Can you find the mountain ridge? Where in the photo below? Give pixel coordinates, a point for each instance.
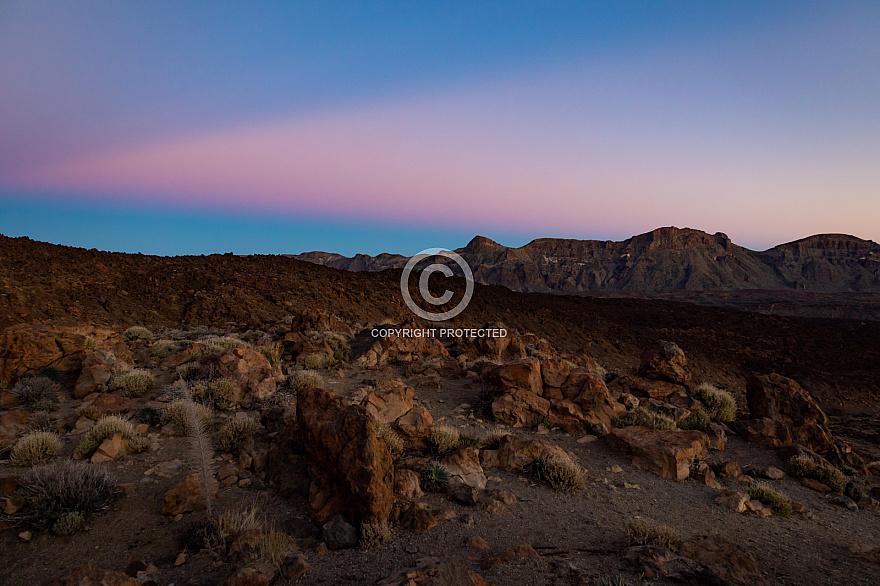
(662, 260)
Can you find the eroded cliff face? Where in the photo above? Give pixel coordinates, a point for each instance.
(665, 259)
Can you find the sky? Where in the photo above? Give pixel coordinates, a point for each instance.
(284, 127)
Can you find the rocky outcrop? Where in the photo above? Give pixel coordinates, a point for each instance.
(393, 403)
(515, 452)
(382, 351)
(248, 369)
(350, 465)
(463, 467)
(96, 369)
(783, 414)
(665, 361)
(28, 348)
(667, 453)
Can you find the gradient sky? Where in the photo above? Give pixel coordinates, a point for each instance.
(199, 127)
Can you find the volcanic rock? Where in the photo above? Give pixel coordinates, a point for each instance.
(667, 453)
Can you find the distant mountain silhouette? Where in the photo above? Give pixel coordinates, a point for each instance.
(665, 259)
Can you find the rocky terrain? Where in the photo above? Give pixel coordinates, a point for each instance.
(233, 420)
(833, 275)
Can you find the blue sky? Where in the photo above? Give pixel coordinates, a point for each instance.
(172, 128)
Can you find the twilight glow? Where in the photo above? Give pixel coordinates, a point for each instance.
(518, 122)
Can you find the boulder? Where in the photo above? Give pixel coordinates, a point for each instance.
(435, 572)
(350, 465)
(415, 426)
(514, 452)
(667, 453)
(520, 408)
(248, 369)
(387, 404)
(555, 372)
(665, 361)
(524, 374)
(402, 349)
(463, 466)
(95, 374)
(643, 387)
(110, 449)
(339, 534)
(736, 501)
(418, 518)
(28, 348)
(407, 484)
(782, 413)
(726, 561)
(522, 551)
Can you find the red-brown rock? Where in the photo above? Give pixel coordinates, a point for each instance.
(665, 361)
(463, 466)
(667, 453)
(187, 496)
(728, 562)
(350, 465)
(435, 572)
(514, 452)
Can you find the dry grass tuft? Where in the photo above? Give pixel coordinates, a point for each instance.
(139, 333)
(641, 532)
(396, 444)
(37, 447)
(132, 383)
(235, 433)
(217, 394)
(62, 487)
(177, 417)
(719, 403)
(163, 348)
(806, 467)
(696, 419)
(36, 393)
(563, 475)
(268, 545)
(104, 428)
(645, 418)
(304, 379)
(272, 352)
(779, 503)
(444, 438)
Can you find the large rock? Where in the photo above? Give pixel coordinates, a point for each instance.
(514, 452)
(95, 374)
(28, 348)
(522, 374)
(390, 402)
(642, 387)
(435, 572)
(520, 408)
(350, 465)
(188, 496)
(727, 562)
(463, 466)
(782, 414)
(667, 453)
(248, 369)
(665, 361)
(402, 349)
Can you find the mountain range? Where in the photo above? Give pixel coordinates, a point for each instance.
(665, 259)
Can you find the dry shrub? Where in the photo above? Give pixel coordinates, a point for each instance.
(139, 333)
(163, 348)
(493, 438)
(189, 371)
(218, 394)
(719, 403)
(68, 523)
(806, 467)
(36, 393)
(562, 474)
(444, 438)
(312, 362)
(41, 421)
(779, 503)
(132, 383)
(176, 416)
(269, 545)
(303, 379)
(696, 419)
(37, 447)
(641, 532)
(235, 433)
(396, 444)
(104, 428)
(645, 418)
(272, 352)
(54, 490)
(217, 344)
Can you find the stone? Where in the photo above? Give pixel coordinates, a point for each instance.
(515, 452)
(717, 436)
(106, 403)
(252, 576)
(407, 484)
(294, 566)
(434, 571)
(587, 439)
(90, 575)
(96, 369)
(504, 496)
(705, 475)
(463, 467)
(555, 372)
(8, 485)
(248, 369)
(520, 408)
(728, 469)
(415, 426)
(27, 348)
(667, 453)
(187, 496)
(464, 494)
(518, 551)
(846, 502)
(12, 505)
(733, 500)
(815, 485)
(418, 518)
(339, 534)
(477, 543)
(180, 559)
(497, 508)
(110, 449)
(350, 465)
(13, 424)
(773, 473)
(393, 400)
(524, 374)
(727, 562)
(664, 361)
(759, 508)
